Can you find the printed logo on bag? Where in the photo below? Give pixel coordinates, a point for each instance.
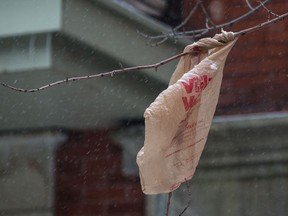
(194, 86)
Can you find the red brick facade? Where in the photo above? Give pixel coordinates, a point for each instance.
(89, 179)
(256, 72)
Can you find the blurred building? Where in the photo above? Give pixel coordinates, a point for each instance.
(58, 155)
(70, 150)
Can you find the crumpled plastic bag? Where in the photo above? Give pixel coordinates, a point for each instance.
(177, 123)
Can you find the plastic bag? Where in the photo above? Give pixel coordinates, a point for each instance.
(178, 121)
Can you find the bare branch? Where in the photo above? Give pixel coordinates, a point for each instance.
(105, 74)
(268, 10)
(159, 42)
(196, 33)
(165, 37)
(189, 198)
(168, 203)
(208, 18)
(155, 66)
(192, 11)
(261, 25)
(249, 5)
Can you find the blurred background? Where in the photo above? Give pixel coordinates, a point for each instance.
(71, 149)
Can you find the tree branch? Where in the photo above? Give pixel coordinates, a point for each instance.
(192, 11)
(262, 25)
(189, 198)
(151, 66)
(168, 203)
(249, 5)
(200, 32)
(105, 74)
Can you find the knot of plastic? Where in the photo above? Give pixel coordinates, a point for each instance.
(218, 40)
(224, 37)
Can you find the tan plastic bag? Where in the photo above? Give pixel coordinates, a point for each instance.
(178, 121)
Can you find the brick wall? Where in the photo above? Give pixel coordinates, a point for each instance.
(256, 72)
(89, 179)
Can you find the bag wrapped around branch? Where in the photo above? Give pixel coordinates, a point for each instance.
(178, 121)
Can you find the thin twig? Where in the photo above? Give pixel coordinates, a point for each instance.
(208, 18)
(249, 5)
(268, 10)
(184, 22)
(105, 74)
(173, 30)
(168, 203)
(186, 34)
(189, 198)
(261, 25)
(158, 42)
